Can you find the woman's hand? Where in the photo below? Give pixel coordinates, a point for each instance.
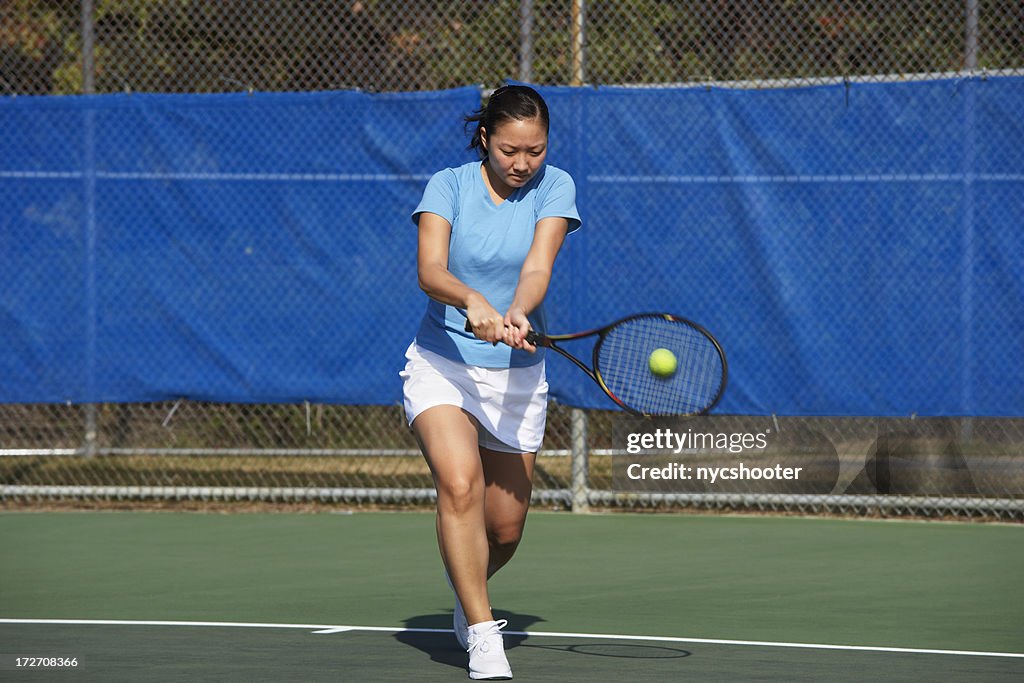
(516, 329)
(487, 323)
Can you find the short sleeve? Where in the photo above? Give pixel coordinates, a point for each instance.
(440, 196)
(560, 200)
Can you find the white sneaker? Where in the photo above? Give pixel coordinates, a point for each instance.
(459, 623)
(487, 661)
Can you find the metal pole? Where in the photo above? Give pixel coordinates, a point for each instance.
(88, 49)
(89, 88)
(89, 226)
(89, 447)
(526, 41)
(580, 461)
(579, 22)
(971, 36)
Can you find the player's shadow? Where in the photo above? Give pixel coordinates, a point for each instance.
(618, 650)
(442, 647)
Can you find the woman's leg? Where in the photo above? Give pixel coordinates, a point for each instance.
(509, 482)
(448, 438)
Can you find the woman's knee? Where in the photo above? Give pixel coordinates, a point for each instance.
(459, 494)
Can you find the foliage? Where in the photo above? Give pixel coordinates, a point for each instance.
(218, 45)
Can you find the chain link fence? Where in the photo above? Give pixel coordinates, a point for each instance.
(365, 454)
(333, 454)
(63, 47)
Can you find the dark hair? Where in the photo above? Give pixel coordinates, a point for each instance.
(507, 103)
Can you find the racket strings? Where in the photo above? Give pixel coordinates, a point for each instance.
(623, 363)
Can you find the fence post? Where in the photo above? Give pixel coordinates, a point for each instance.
(88, 49)
(580, 461)
(89, 446)
(578, 29)
(971, 36)
(526, 40)
(89, 88)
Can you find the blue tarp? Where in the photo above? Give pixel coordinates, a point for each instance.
(857, 248)
(217, 247)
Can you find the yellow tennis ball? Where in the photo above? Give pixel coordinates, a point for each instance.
(662, 362)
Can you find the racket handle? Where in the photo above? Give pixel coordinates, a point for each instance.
(469, 328)
(533, 337)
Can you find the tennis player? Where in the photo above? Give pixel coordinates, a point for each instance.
(489, 232)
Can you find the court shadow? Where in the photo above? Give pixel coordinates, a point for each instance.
(618, 650)
(442, 648)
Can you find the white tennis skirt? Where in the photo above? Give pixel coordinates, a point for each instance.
(509, 403)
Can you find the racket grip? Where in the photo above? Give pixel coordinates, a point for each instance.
(469, 328)
(532, 336)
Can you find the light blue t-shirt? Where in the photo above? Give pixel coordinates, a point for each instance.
(489, 243)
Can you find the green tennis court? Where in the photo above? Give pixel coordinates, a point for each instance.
(169, 596)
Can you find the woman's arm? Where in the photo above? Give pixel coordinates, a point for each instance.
(439, 284)
(534, 278)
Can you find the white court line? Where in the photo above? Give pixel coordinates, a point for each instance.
(327, 629)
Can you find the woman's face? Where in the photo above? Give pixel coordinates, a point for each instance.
(516, 150)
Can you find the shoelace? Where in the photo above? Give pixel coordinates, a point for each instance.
(481, 641)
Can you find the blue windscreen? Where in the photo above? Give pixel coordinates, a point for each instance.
(856, 248)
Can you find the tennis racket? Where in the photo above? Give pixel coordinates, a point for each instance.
(621, 363)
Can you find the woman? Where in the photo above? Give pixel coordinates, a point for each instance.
(489, 232)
